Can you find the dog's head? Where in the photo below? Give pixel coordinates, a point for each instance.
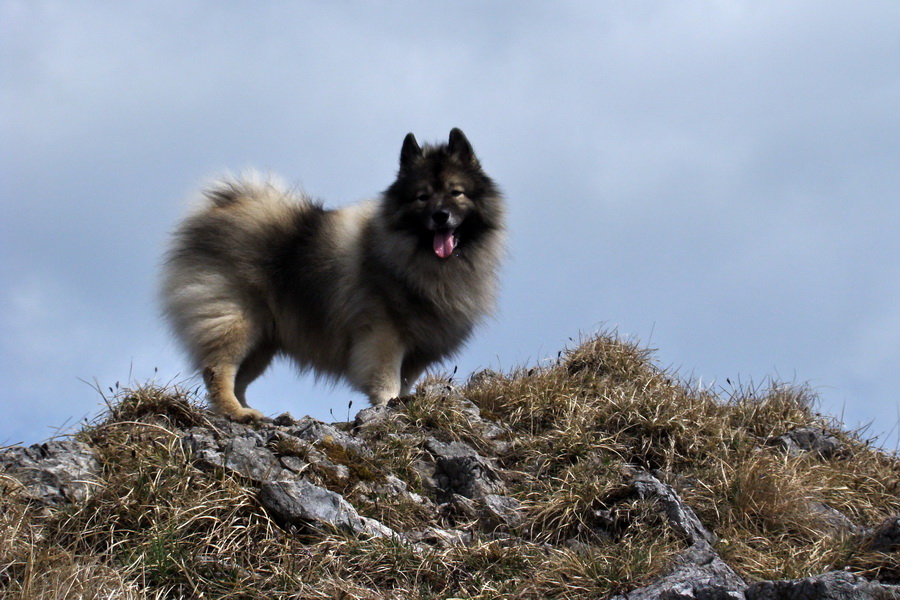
(443, 196)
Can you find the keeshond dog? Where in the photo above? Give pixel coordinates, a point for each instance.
(372, 293)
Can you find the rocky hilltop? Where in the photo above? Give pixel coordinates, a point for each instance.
(597, 476)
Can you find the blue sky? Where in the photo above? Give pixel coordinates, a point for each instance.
(718, 180)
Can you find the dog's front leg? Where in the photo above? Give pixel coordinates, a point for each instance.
(375, 361)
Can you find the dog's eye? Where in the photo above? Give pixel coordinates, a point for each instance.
(422, 197)
(456, 193)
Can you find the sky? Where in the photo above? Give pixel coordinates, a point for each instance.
(717, 180)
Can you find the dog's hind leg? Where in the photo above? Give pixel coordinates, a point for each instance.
(375, 361)
(410, 373)
(252, 367)
(230, 343)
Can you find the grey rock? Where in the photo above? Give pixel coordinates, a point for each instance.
(326, 466)
(468, 485)
(249, 458)
(293, 464)
(52, 473)
(459, 469)
(440, 538)
(834, 520)
(469, 408)
(284, 420)
(301, 503)
(698, 573)
(680, 515)
(454, 395)
(440, 449)
(372, 416)
(482, 377)
(244, 454)
(315, 431)
(439, 388)
(499, 512)
(835, 585)
(392, 490)
(808, 439)
(197, 440)
(886, 537)
(459, 509)
(391, 487)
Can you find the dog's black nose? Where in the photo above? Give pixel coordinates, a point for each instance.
(440, 217)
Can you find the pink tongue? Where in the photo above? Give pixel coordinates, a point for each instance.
(444, 243)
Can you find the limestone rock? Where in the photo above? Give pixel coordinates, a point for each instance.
(301, 503)
(52, 473)
(680, 515)
(886, 537)
(698, 573)
(835, 585)
(808, 439)
(245, 454)
(459, 469)
(315, 431)
(497, 512)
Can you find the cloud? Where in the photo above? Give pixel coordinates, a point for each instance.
(721, 174)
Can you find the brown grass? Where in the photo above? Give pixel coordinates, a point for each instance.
(158, 527)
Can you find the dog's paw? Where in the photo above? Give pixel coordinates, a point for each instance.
(246, 415)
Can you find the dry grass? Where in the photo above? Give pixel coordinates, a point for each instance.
(158, 527)
(604, 405)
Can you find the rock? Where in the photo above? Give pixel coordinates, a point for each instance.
(449, 450)
(369, 417)
(835, 585)
(496, 512)
(52, 473)
(680, 515)
(808, 439)
(483, 377)
(440, 538)
(391, 487)
(833, 520)
(245, 454)
(443, 389)
(459, 510)
(301, 503)
(469, 408)
(454, 396)
(248, 457)
(698, 573)
(491, 514)
(886, 537)
(459, 469)
(467, 501)
(202, 446)
(317, 432)
(284, 420)
(293, 464)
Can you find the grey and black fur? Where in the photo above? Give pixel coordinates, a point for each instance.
(373, 293)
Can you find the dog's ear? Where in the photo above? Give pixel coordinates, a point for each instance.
(460, 146)
(410, 152)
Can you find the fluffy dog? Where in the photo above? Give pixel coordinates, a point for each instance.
(373, 293)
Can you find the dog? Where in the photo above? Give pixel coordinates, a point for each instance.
(371, 294)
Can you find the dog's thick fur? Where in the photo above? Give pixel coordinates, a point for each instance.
(372, 293)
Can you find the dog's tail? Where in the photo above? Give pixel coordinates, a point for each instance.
(248, 186)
